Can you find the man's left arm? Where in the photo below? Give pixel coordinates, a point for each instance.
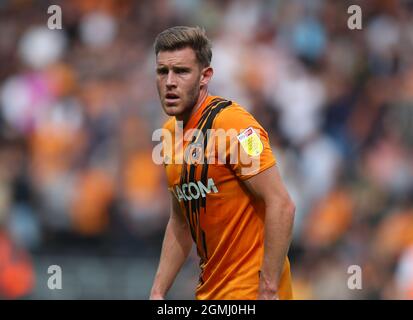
(268, 187)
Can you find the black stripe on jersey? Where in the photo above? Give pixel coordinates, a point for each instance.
(208, 124)
(184, 175)
(194, 206)
(211, 104)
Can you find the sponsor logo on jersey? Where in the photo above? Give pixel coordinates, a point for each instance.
(250, 142)
(194, 190)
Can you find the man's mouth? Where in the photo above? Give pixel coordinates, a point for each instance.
(171, 98)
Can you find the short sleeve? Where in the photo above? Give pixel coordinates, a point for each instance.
(247, 148)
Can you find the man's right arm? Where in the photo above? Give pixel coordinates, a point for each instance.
(176, 246)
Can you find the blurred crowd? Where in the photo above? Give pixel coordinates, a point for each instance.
(78, 107)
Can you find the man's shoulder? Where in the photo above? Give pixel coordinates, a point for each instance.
(234, 116)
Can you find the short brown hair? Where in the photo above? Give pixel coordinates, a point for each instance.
(180, 37)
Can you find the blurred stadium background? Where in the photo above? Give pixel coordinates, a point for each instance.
(78, 187)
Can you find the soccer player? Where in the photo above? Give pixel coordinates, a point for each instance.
(239, 218)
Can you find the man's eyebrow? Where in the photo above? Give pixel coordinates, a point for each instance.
(176, 64)
(174, 67)
(181, 67)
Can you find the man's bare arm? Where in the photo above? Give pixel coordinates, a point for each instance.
(268, 187)
(176, 246)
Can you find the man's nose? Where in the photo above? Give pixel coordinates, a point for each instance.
(171, 79)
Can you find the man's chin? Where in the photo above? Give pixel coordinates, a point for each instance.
(172, 110)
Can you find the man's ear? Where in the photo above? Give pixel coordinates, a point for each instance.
(206, 75)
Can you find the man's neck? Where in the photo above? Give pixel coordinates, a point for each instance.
(201, 99)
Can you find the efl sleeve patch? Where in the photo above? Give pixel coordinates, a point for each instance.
(250, 142)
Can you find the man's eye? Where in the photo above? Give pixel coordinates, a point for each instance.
(162, 71)
(182, 71)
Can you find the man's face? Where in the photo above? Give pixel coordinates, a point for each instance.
(178, 81)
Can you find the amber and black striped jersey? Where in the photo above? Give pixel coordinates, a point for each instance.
(226, 223)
